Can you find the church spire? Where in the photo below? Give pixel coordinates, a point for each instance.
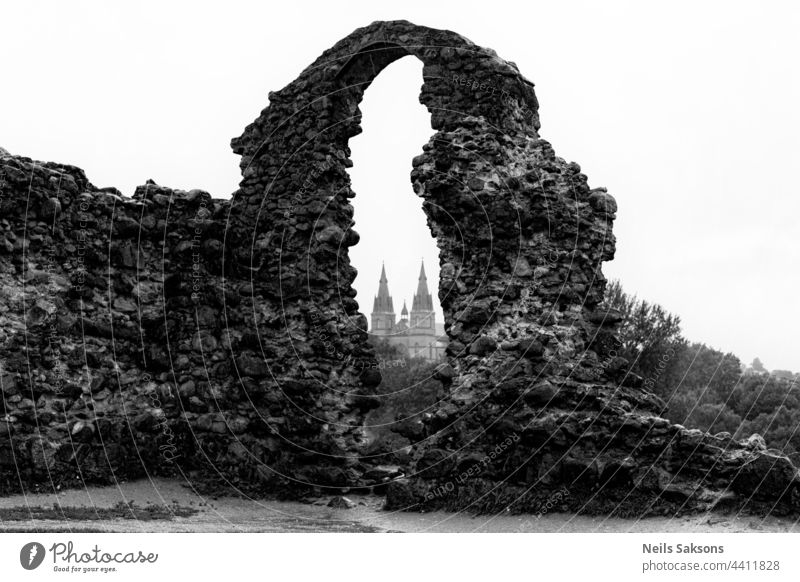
(383, 301)
(423, 301)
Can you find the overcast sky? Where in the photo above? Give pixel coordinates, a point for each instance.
(687, 113)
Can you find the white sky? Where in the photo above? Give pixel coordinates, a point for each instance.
(686, 112)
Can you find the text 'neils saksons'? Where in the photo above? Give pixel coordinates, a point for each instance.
(663, 548)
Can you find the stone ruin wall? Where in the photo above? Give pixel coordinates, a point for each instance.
(176, 333)
(116, 361)
(126, 350)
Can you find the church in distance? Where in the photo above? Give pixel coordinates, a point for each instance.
(417, 336)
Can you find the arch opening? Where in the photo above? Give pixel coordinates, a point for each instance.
(397, 256)
(395, 240)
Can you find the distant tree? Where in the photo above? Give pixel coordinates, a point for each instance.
(705, 370)
(756, 395)
(650, 335)
(757, 366)
(385, 350)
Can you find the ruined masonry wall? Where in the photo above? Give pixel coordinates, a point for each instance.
(172, 332)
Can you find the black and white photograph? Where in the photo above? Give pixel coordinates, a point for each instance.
(513, 284)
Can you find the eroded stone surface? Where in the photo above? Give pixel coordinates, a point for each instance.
(175, 331)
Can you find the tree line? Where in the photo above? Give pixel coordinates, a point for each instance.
(702, 387)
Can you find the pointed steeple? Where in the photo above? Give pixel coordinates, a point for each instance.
(404, 312)
(423, 301)
(383, 301)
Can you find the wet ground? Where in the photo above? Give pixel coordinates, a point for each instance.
(161, 505)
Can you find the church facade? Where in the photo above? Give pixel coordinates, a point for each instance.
(416, 334)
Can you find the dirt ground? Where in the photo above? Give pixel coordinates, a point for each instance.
(161, 505)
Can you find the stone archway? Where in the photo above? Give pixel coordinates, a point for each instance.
(536, 400)
(293, 219)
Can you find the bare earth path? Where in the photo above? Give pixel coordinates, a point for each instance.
(161, 505)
